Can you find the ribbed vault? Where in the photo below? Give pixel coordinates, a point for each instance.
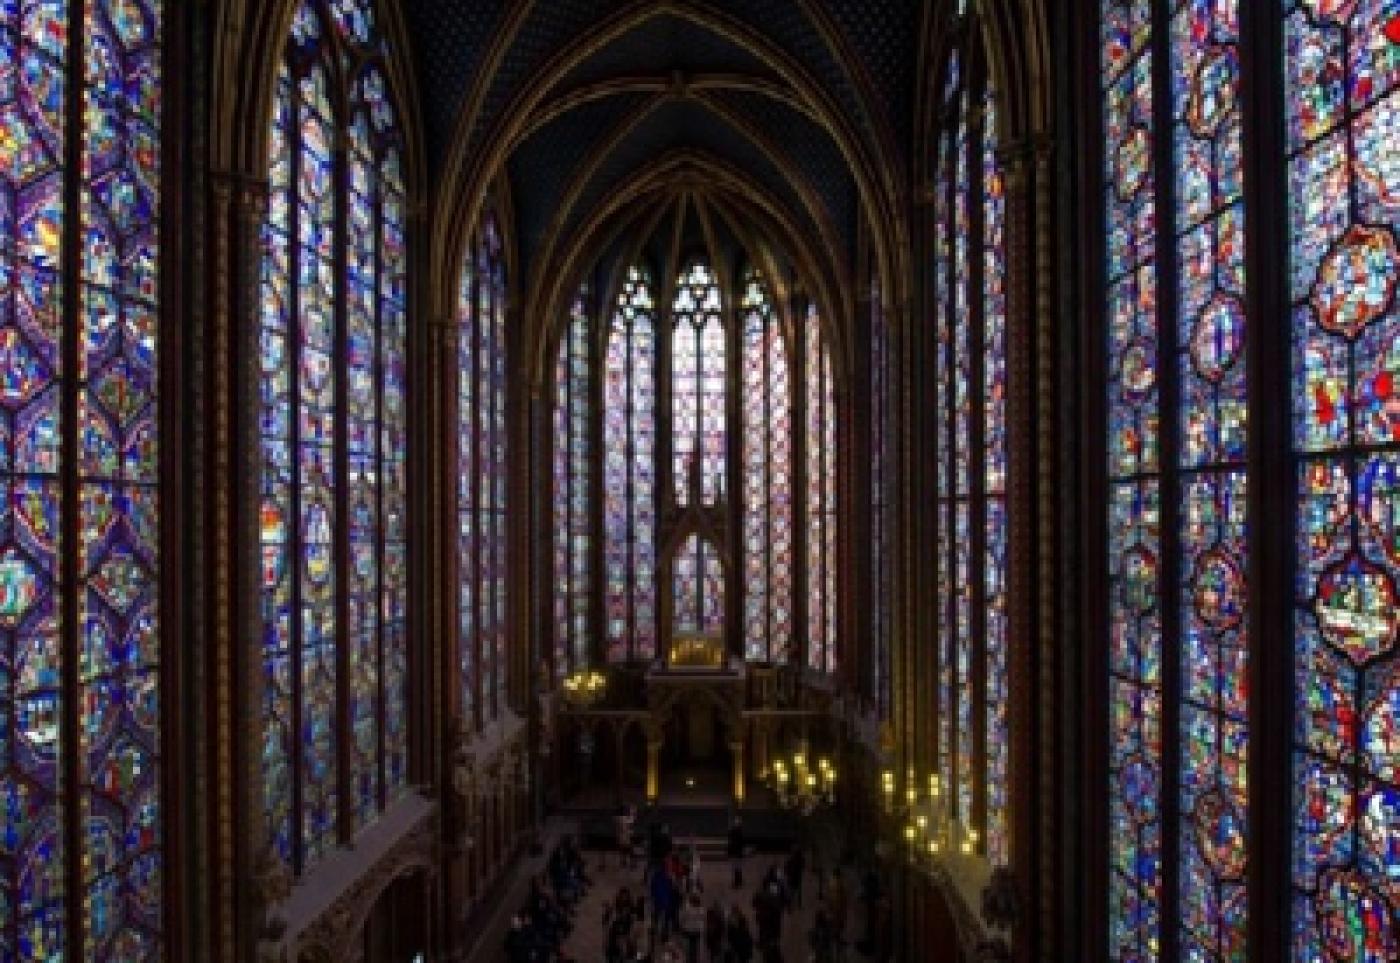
(793, 116)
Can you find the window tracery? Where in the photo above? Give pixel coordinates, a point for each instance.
(333, 434)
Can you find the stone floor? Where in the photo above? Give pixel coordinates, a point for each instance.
(586, 943)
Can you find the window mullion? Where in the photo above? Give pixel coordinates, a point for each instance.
(1168, 574)
(72, 577)
(380, 542)
(1272, 483)
(340, 352)
(977, 675)
(294, 552)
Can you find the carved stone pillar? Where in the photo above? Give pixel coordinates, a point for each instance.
(1020, 588)
(1047, 724)
(653, 765)
(619, 767)
(736, 747)
(654, 738)
(760, 748)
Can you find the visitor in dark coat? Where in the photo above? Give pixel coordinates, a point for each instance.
(714, 932)
(736, 851)
(768, 912)
(663, 895)
(796, 866)
(739, 936)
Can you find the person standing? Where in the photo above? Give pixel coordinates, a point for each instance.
(823, 948)
(869, 893)
(796, 866)
(740, 936)
(884, 925)
(714, 932)
(624, 835)
(736, 851)
(836, 911)
(663, 891)
(692, 927)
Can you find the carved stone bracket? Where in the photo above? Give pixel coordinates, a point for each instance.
(492, 762)
(984, 937)
(272, 884)
(972, 933)
(322, 921)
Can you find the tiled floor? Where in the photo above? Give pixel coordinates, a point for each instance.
(586, 943)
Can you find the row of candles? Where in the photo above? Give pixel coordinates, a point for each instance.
(799, 782)
(584, 688)
(929, 830)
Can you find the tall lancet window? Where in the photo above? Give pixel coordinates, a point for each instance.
(969, 394)
(819, 444)
(573, 489)
(333, 345)
(1194, 382)
(699, 588)
(629, 472)
(881, 500)
(768, 488)
(80, 533)
(1342, 127)
(481, 477)
(698, 387)
(1177, 435)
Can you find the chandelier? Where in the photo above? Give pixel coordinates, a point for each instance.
(584, 689)
(929, 832)
(802, 784)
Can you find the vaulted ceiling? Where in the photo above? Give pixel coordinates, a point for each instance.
(806, 105)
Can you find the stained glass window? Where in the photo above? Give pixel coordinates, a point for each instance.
(768, 490)
(481, 477)
(992, 370)
(333, 350)
(1342, 71)
(573, 490)
(629, 472)
(969, 395)
(881, 504)
(698, 387)
(1134, 503)
(698, 581)
(1176, 477)
(97, 644)
(819, 443)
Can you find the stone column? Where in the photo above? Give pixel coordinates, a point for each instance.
(736, 747)
(653, 765)
(760, 748)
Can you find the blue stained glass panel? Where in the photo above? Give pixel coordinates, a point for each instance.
(767, 450)
(1342, 82)
(629, 473)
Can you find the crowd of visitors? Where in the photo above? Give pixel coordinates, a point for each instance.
(668, 918)
(538, 930)
(675, 921)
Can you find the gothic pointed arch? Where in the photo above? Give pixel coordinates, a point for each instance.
(332, 438)
(966, 343)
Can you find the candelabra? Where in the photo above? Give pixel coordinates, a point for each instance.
(584, 689)
(930, 832)
(800, 784)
